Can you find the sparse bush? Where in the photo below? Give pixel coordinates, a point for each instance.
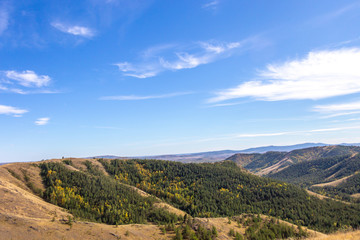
(14, 174)
(68, 162)
(238, 236)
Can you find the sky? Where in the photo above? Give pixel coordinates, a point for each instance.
(146, 77)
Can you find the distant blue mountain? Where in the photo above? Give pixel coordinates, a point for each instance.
(283, 148)
(215, 156)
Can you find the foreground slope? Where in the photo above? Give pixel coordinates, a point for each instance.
(26, 216)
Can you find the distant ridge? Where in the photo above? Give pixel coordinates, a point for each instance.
(215, 156)
(272, 161)
(283, 148)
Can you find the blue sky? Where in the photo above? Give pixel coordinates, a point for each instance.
(136, 77)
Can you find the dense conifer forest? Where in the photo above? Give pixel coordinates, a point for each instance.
(223, 189)
(95, 197)
(323, 170)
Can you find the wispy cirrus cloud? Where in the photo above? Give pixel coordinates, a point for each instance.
(336, 110)
(272, 134)
(12, 111)
(334, 14)
(4, 18)
(172, 57)
(238, 136)
(134, 97)
(320, 74)
(351, 106)
(42, 121)
(74, 29)
(211, 5)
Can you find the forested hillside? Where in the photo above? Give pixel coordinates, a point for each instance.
(272, 162)
(332, 176)
(222, 189)
(98, 198)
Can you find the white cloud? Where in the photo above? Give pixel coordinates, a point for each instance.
(337, 107)
(28, 78)
(174, 57)
(4, 19)
(273, 134)
(42, 121)
(321, 74)
(185, 60)
(211, 5)
(129, 70)
(337, 110)
(339, 114)
(334, 14)
(8, 110)
(133, 97)
(74, 30)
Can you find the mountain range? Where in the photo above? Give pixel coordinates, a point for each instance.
(215, 156)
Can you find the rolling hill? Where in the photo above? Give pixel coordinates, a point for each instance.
(336, 177)
(332, 171)
(81, 195)
(272, 162)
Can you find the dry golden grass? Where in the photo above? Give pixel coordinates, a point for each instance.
(355, 235)
(324, 197)
(333, 183)
(275, 168)
(356, 195)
